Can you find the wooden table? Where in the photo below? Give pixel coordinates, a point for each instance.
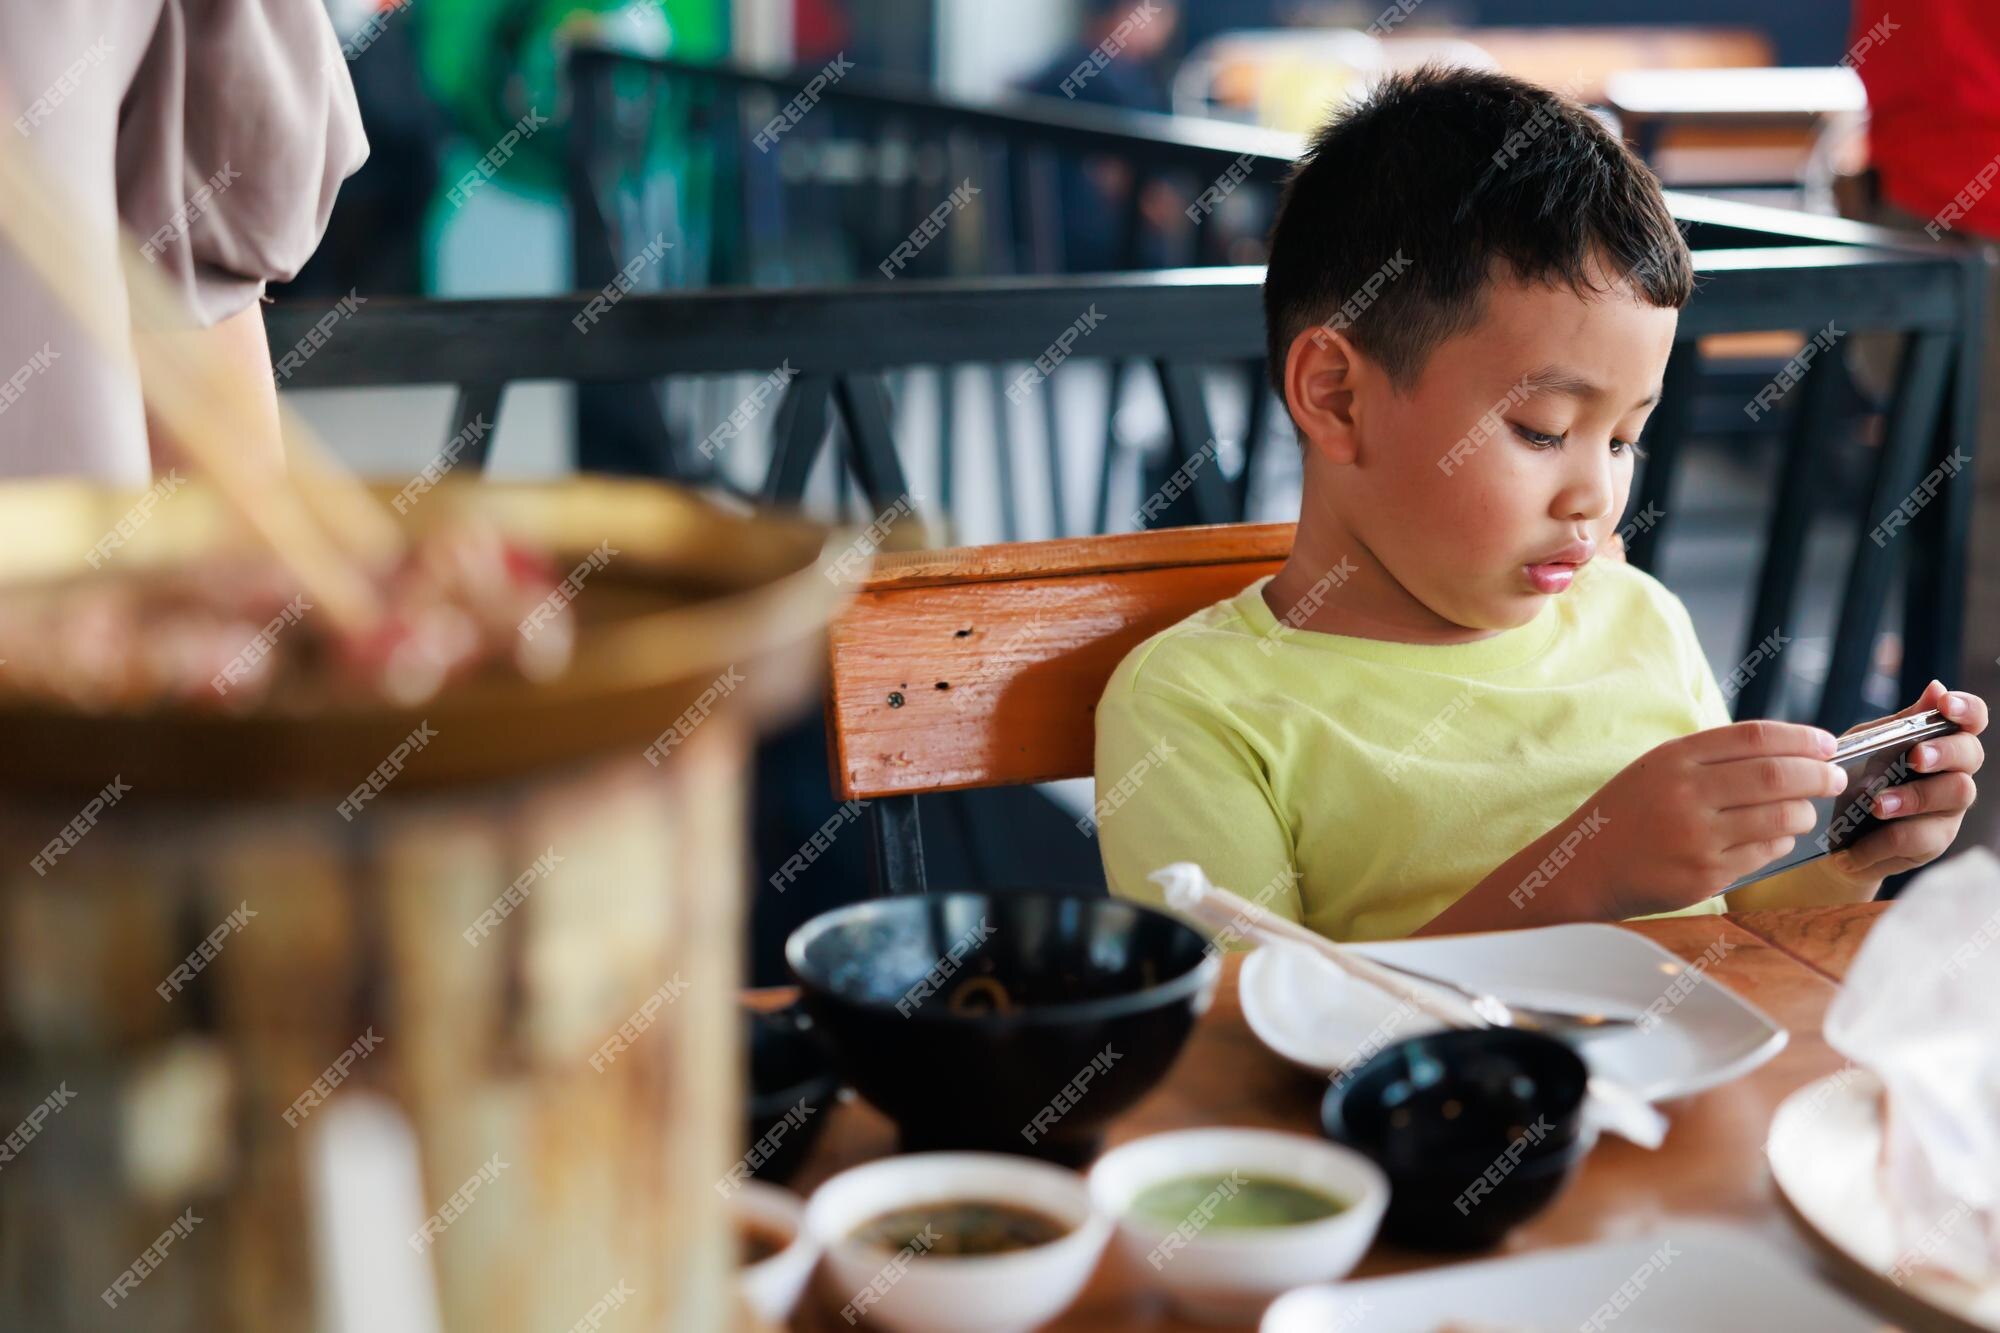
(1731, 125)
(1787, 963)
(1824, 939)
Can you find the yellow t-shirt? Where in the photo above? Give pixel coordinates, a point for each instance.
(1363, 787)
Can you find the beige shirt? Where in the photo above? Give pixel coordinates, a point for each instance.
(215, 131)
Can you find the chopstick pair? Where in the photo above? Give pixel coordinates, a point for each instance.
(1612, 1104)
(318, 520)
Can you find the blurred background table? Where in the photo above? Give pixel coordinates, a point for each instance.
(1731, 125)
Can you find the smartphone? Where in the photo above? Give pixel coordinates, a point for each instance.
(1875, 760)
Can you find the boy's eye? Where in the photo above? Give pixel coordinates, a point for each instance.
(1541, 439)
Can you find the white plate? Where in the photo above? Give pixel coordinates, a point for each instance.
(1825, 1149)
(1713, 1278)
(1316, 1016)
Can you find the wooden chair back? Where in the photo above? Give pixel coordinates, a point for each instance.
(981, 666)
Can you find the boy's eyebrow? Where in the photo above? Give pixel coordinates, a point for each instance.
(1559, 379)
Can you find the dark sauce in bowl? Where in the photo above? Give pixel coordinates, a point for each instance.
(758, 1240)
(961, 1227)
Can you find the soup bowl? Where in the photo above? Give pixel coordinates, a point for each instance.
(1213, 1270)
(1016, 1022)
(1477, 1129)
(910, 1291)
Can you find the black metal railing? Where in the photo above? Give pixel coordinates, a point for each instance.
(620, 104)
(620, 101)
(845, 348)
(1013, 142)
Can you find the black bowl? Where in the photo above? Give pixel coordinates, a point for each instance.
(792, 1086)
(1013, 1022)
(1477, 1131)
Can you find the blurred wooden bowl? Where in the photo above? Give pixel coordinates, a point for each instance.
(694, 590)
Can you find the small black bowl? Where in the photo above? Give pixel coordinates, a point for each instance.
(1013, 1022)
(1477, 1130)
(792, 1086)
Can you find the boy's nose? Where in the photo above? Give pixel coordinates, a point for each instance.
(1589, 490)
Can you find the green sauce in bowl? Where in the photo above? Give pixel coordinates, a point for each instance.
(1232, 1199)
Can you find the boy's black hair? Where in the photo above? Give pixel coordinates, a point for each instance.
(1392, 222)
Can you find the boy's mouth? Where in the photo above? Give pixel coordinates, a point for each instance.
(1553, 572)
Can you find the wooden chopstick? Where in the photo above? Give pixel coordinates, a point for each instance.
(348, 511)
(202, 403)
(1230, 911)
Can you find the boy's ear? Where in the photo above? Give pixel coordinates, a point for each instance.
(1319, 389)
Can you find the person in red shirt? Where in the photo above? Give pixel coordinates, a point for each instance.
(1932, 71)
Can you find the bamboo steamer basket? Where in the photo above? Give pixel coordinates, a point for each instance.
(465, 1060)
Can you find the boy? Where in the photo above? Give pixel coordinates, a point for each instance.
(1454, 707)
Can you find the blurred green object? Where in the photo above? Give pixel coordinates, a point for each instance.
(488, 62)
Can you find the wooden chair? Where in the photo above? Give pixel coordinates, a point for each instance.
(982, 666)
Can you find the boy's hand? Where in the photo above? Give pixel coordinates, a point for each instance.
(1690, 817)
(1922, 815)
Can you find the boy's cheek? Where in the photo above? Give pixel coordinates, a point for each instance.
(1482, 515)
(1428, 525)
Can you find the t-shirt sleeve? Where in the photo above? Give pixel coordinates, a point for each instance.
(1175, 782)
(235, 133)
